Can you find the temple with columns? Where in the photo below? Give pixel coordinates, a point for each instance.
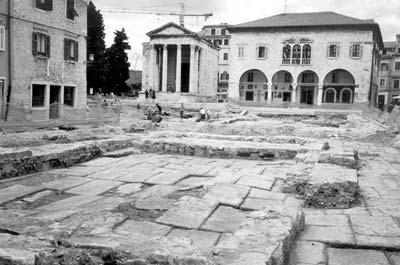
(177, 60)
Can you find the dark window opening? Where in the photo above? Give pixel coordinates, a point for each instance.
(71, 12)
(69, 95)
(40, 44)
(71, 50)
(249, 96)
(46, 5)
(38, 92)
(250, 77)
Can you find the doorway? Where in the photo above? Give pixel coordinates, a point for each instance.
(287, 96)
(381, 101)
(185, 77)
(55, 101)
(307, 95)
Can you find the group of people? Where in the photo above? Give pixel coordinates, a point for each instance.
(204, 114)
(150, 93)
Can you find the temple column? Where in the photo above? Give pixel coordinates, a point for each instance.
(165, 68)
(192, 84)
(152, 67)
(178, 69)
(320, 92)
(269, 93)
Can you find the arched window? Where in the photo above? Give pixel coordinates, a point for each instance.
(346, 95)
(296, 54)
(306, 54)
(225, 76)
(286, 54)
(330, 95)
(226, 42)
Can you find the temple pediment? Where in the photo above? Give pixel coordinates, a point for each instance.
(170, 29)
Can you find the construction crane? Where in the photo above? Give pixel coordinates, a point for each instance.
(181, 14)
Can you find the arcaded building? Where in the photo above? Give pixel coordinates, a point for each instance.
(310, 58)
(177, 60)
(46, 69)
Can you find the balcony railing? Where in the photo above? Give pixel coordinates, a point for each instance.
(305, 61)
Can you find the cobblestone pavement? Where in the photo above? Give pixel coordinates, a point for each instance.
(181, 209)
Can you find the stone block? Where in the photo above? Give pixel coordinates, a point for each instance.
(101, 162)
(198, 239)
(189, 213)
(266, 195)
(38, 196)
(167, 178)
(328, 234)
(153, 203)
(356, 257)
(64, 183)
(323, 219)
(16, 191)
(327, 173)
(143, 229)
(375, 225)
(225, 219)
(129, 188)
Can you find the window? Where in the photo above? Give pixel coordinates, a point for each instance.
(212, 31)
(261, 52)
(288, 78)
(306, 54)
(397, 66)
(41, 44)
(355, 51)
(241, 52)
(307, 78)
(223, 32)
(38, 92)
(226, 42)
(225, 56)
(46, 5)
(333, 51)
(71, 12)
(2, 38)
(334, 78)
(286, 54)
(384, 67)
(396, 83)
(296, 54)
(69, 92)
(71, 48)
(330, 96)
(382, 83)
(250, 77)
(249, 96)
(225, 76)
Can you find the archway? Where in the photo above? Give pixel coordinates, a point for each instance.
(282, 86)
(330, 95)
(252, 84)
(308, 83)
(343, 82)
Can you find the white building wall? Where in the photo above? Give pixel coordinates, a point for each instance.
(320, 63)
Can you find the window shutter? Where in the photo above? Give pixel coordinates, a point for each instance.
(338, 51)
(76, 51)
(47, 45)
(350, 51)
(34, 43)
(49, 5)
(66, 49)
(257, 51)
(327, 51)
(266, 52)
(361, 50)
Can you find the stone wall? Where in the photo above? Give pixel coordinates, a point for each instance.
(29, 69)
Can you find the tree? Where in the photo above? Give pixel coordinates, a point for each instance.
(95, 46)
(117, 65)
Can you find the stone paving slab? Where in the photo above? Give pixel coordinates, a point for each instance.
(138, 174)
(167, 178)
(266, 195)
(324, 219)
(198, 239)
(229, 194)
(257, 181)
(219, 222)
(328, 234)
(111, 173)
(143, 229)
(16, 191)
(129, 188)
(95, 187)
(375, 225)
(154, 203)
(79, 170)
(356, 257)
(305, 252)
(101, 162)
(64, 183)
(189, 213)
(328, 173)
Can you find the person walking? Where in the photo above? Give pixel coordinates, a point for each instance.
(146, 95)
(153, 95)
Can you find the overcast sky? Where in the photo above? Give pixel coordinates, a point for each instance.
(385, 12)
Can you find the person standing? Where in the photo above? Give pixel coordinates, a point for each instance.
(146, 95)
(153, 95)
(181, 111)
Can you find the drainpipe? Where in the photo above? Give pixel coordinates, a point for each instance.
(9, 61)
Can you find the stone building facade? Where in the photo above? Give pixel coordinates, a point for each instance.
(311, 58)
(220, 36)
(178, 60)
(389, 73)
(48, 60)
(4, 56)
